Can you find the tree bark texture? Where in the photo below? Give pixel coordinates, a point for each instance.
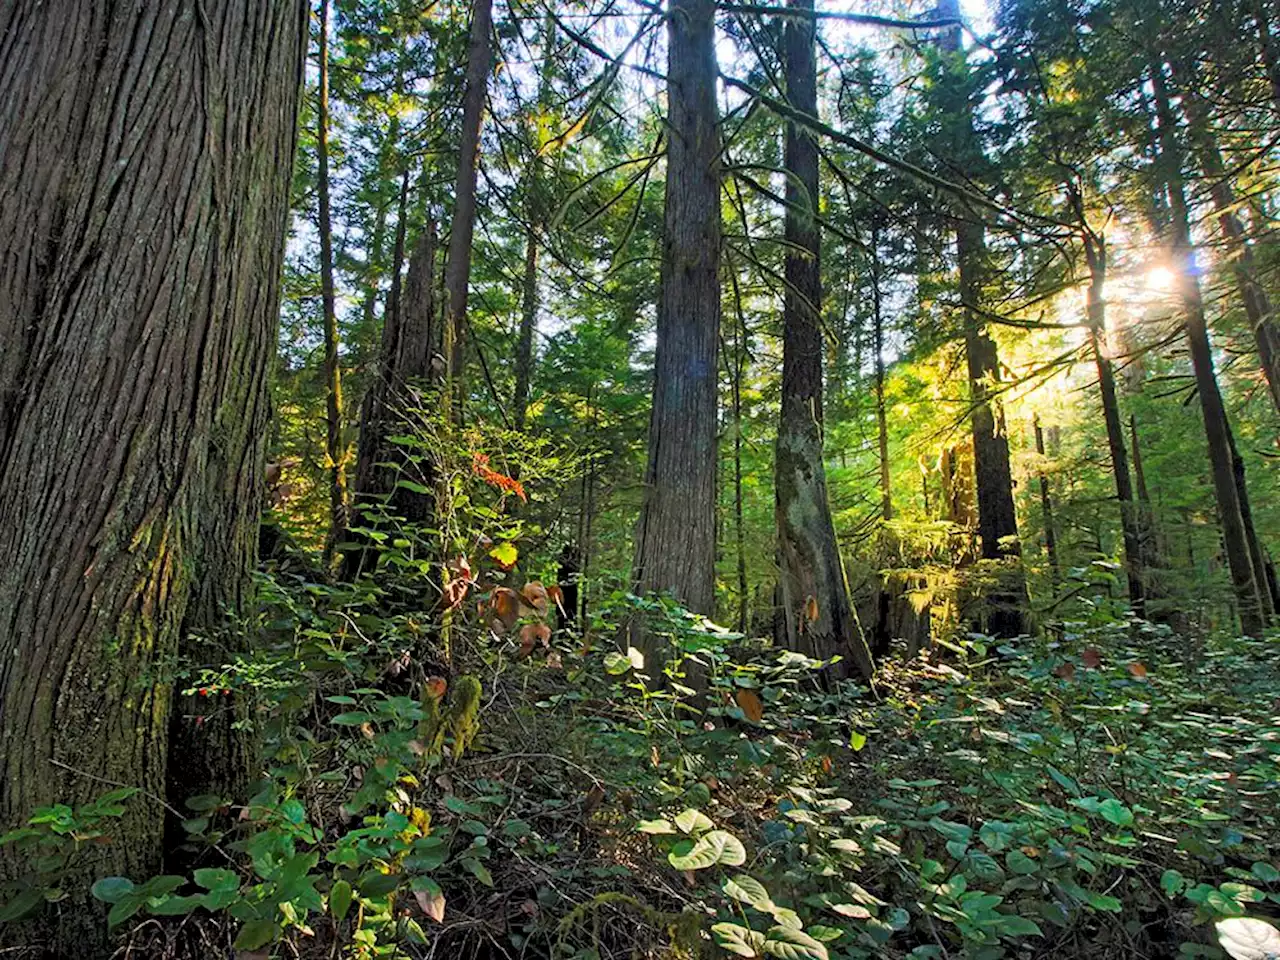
(997, 518)
(334, 449)
(145, 158)
(457, 278)
(676, 535)
(1244, 578)
(818, 617)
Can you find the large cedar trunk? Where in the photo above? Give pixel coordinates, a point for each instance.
(144, 174)
(457, 277)
(676, 534)
(817, 615)
(1235, 533)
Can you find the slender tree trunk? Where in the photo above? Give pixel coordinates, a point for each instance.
(882, 418)
(739, 524)
(818, 616)
(1268, 47)
(528, 320)
(334, 450)
(1046, 509)
(1130, 523)
(144, 184)
(1257, 306)
(457, 280)
(1217, 431)
(375, 262)
(997, 517)
(675, 537)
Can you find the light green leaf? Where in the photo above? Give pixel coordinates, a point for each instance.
(1113, 811)
(655, 827)
(747, 890)
(1247, 938)
(693, 821)
(738, 939)
(716, 847)
(788, 944)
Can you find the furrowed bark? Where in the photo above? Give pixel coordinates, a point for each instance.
(143, 199)
(675, 537)
(818, 617)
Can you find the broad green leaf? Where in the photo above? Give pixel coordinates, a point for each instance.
(23, 905)
(255, 934)
(716, 847)
(747, 890)
(857, 740)
(738, 939)
(1012, 925)
(112, 889)
(1247, 938)
(693, 821)
(340, 900)
(788, 944)
(213, 878)
(1113, 811)
(1019, 862)
(655, 827)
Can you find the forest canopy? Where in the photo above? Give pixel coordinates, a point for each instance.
(614, 479)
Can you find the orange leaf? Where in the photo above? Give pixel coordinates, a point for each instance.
(1067, 671)
(1138, 670)
(751, 704)
(504, 603)
(1092, 658)
(534, 595)
(826, 764)
(556, 595)
(435, 687)
(531, 634)
(811, 608)
(432, 904)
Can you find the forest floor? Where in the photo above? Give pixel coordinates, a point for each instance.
(1108, 791)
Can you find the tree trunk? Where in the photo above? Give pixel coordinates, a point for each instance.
(1257, 306)
(1046, 510)
(997, 519)
(817, 614)
(409, 365)
(1130, 526)
(675, 536)
(528, 320)
(1217, 431)
(1268, 47)
(882, 418)
(457, 280)
(334, 452)
(144, 187)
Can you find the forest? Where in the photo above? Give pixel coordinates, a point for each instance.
(621, 479)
